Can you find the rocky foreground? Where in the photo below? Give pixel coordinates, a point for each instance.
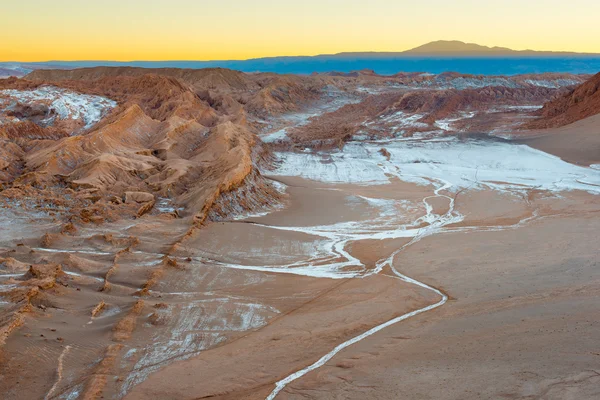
(122, 254)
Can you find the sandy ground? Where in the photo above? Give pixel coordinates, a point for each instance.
(445, 268)
(508, 330)
(225, 320)
(521, 323)
(155, 313)
(577, 143)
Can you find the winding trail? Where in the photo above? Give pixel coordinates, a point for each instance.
(280, 385)
(334, 261)
(435, 223)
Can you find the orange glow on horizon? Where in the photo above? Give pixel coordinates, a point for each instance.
(155, 30)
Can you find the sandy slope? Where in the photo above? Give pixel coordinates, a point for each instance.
(577, 143)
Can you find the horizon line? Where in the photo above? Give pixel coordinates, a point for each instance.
(433, 55)
(408, 53)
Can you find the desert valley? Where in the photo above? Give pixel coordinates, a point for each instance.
(208, 233)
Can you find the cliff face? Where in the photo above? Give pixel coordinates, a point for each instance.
(579, 103)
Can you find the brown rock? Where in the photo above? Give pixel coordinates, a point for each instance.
(580, 103)
(138, 197)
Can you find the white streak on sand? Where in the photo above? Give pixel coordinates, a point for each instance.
(380, 265)
(67, 104)
(284, 382)
(197, 326)
(98, 253)
(280, 385)
(59, 372)
(498, 165)
(505, 171)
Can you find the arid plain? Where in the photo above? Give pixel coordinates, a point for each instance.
(207, 233)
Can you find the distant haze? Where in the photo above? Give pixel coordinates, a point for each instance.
(435, 57)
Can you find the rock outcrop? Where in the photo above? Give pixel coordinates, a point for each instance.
(175, 134)
(579, 103)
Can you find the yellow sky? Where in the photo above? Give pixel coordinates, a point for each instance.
(124, 30)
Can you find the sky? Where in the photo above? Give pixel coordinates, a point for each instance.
(126, 30)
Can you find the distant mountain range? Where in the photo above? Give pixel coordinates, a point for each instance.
(434, 57)
(456, 48)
